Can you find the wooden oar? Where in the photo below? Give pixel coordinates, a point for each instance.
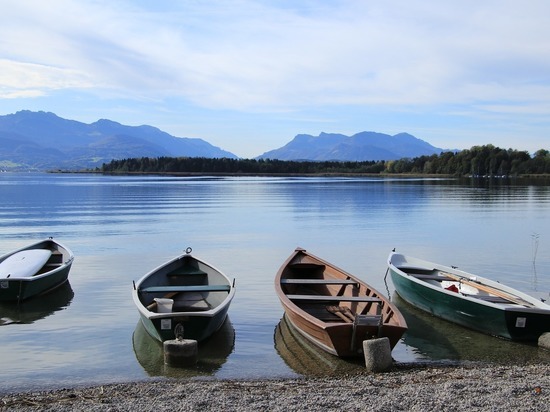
(336, 310)
(489, 289)
(347, 311)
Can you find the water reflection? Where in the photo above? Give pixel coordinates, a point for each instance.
(37, 308)
(212, 353)
(306, 359)
(435, 339)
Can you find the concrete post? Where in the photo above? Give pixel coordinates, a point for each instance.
(377, 354)
(180, 352)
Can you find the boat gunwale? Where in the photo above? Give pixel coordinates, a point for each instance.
(203, 313)
(539, 306)
(288, 303)
(43, 245)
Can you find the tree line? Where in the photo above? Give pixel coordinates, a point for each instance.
(485, 160)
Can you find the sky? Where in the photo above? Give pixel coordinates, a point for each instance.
(249, 75)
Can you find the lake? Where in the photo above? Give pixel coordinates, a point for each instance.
(120, 227)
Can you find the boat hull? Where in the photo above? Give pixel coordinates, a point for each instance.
(54, 274)
(515, 323)
(340, 340)
(199, 297)
(195, 326)
(310, 289)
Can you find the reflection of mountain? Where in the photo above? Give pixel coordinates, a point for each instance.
(436, 339)
(306, 359)
(213, 353)
(31, 310)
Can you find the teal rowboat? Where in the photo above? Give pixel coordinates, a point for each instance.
(469, 300)
(185, 297)
(34, 270)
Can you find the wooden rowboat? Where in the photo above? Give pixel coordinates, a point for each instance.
(332, 308)
(34, 269)
(469, 300)
(185, 297)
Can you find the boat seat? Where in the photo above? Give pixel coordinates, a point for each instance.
(187, 271)
(334, 298)
(306, 265)
(414, 269)
(429, 277)
(489, 298)
(193, 301)
(368, 320)
(190, 288)
(319, 282)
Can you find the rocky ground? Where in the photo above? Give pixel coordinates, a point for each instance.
(404, 388)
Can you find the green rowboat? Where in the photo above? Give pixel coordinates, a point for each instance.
(34, 270)
(469, 300)
(183, 298)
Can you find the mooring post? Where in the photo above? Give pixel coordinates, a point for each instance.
(180, 352)
(377, 354)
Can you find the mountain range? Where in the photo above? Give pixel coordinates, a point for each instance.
(41, 141)
(44, 141)
(359, 147)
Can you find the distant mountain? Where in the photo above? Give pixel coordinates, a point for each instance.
(359, 147)
(41, 141)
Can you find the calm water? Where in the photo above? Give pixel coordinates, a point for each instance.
(121, 227)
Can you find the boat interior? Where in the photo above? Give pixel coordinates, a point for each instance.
(185, 288)
(464, 286)
(332, 296)
(55, 261)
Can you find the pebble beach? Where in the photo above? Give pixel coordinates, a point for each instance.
(409, 387)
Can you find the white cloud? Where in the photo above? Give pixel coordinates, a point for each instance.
(31, 80)
(252, 55)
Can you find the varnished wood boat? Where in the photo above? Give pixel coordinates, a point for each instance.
(34, 270)
(469, 300)
(333, 309)
(185, 297)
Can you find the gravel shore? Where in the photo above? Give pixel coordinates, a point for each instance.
(404, 388)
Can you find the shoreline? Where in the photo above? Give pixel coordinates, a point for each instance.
(410, 387)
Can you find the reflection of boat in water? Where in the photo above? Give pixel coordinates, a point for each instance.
(436, 339)
(212, 353)
(31, 310)
(307, 359)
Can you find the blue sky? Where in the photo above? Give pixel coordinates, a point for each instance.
(247, 76)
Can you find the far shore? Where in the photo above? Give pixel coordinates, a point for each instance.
(339, 174)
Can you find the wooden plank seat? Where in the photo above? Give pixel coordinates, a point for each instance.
(306, 265)
(319, 282)
(492, 299)
(334, 298)
(190, 288)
